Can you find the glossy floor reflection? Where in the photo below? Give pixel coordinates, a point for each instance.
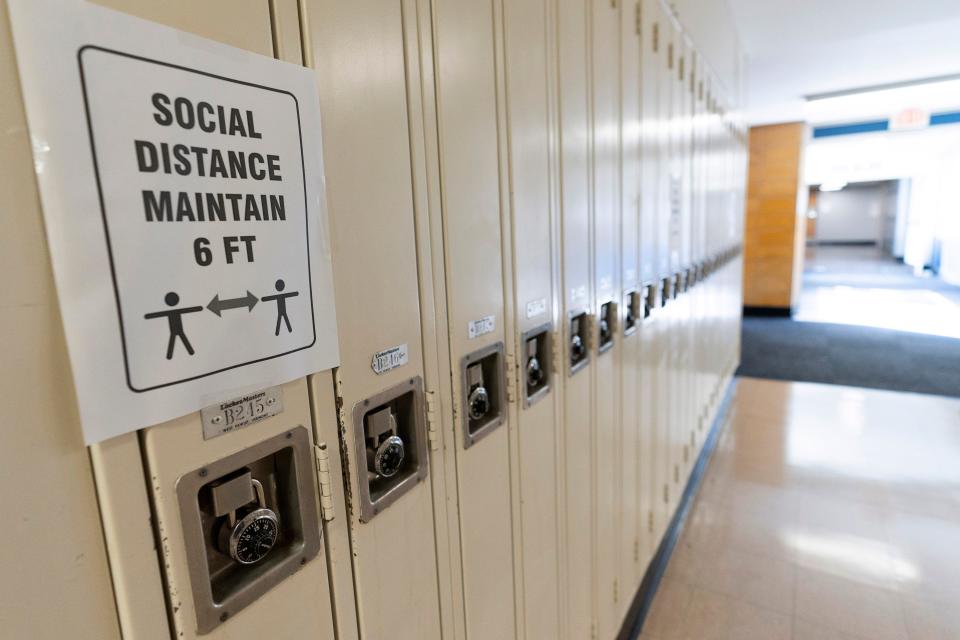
(864, 287)
(826, 513)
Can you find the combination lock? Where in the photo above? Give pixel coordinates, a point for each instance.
(478, 398)
(604, 329)
(577, 349)
(478, 402)
(385, 448)
(534, 370)
(388, 457)
(249, 539)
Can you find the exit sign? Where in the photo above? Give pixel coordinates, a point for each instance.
(910, 119)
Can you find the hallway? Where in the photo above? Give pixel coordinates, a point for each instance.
(863, 319)
(862, 286)
(821, 516)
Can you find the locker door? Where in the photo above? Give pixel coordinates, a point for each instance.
(466, 86)
(41, 439)
(574, 124)
(533, 325)
(675, 353)
(663, 446)
(687, 425)
(669, 213)
(650, 347)
(702, 254)
(605, 66)
(713, 301)
(176, 456)
(369, 104)
(631, 312)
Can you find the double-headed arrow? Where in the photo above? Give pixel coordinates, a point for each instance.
(217, 305)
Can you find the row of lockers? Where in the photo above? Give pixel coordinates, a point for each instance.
(535, 213)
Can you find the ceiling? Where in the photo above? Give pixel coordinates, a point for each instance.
(798, 48)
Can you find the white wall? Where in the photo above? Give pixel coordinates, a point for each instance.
(928, 158)
(855, 214)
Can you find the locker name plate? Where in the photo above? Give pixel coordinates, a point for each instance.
(536, 307)
(483, 326)
(390, 359)
(232, 415)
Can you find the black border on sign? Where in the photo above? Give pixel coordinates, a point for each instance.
(106, 228)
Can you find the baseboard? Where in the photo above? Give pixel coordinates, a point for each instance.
(843, 243)
(640, 607)
(768, 312)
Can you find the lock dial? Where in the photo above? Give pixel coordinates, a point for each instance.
(249, 539)
(534, 372)
(479, 403)
(254, 536)
(577, 349)
(389, 457)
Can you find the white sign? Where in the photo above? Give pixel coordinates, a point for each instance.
(477, 328)
(181, 182)
(388, 359)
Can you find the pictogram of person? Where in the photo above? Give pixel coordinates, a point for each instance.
(175, 320)
(281, 299)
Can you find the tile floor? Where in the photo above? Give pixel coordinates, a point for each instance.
(862, 286)
(826, 513)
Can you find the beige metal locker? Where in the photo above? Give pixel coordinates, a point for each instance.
(687, 397)
(661, 44)
(576, 316)
(605, 138)
(479, 365)
(670, 215)
(373, 131)
(632, 539)
(205, 597)
(530, 247)
(649, 483)
(699, 394)
(56, 537)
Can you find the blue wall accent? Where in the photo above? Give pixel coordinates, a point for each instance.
(947, 117)
(848, 129)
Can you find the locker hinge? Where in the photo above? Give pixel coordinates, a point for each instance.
(326, 484)
(636, 550)
(511, 377)
(433, 433)
(650, 520)
(676, 471)
(681, 68)
(666, 494)
(638, 19)
(693, 439)
(670, 56)
(686, 456)
(616, 591)
(656, 37)
(593, 629)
